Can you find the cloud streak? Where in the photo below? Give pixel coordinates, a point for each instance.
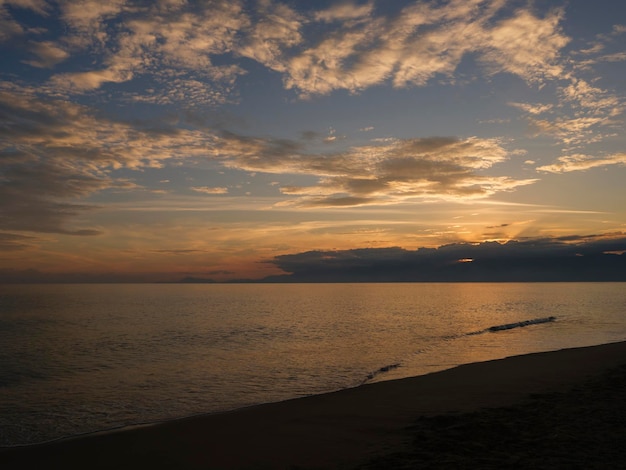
(435, 168)
(208, 190)
(583, 162)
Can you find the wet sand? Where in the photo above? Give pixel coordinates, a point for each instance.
(561, 409)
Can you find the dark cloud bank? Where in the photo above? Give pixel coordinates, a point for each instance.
(546, 260)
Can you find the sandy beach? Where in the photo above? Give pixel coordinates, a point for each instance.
(561, 409)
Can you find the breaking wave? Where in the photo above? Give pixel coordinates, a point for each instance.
(382, 370)
(518, 324)
(491, 329)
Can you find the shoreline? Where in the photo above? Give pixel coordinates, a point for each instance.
(340, 429)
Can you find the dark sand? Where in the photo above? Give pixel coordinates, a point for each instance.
(562, 409)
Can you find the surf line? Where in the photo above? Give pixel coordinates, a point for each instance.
(382, 370)
(493, 329)
(519, 324)
(509, 326)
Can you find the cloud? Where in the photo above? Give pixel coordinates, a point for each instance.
(180, 252)
(577, 258)
(90, 80)
(359, 48)
(309, 135)
(36, 214)
(38, 6)
(15, 242)
(208, 190)
(163, 39)
(193, 53)
(533, 47)
(343, 11)
(427, 40)
(582, 112)
(581, 162)
(266, 40)
(88, 19)
(593, 99)
(9, 26)
(533, 109)
(527, 46)
(193, 93)
(436, 167)
(335, 201)
(573, 132)
(67, 132)
(47, 54)
(616, 57)
(56, 153)
(600, 43)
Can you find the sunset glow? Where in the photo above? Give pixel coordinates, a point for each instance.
(157, 141)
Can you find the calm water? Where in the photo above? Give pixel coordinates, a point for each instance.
(81, 358)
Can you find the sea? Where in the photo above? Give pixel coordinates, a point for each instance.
(82, 358)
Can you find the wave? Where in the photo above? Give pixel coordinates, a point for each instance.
(519, 324)
(382, 370)
(510, 326)
(491, 329)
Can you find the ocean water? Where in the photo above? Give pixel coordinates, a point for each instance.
(82, 358)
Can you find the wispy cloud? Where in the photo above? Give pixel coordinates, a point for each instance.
(55, 151)
(592, 99)
(600, 43)
(428, 40)
(265, 41)
(193, 52)
(360, 49)
(584, 114)
(15, 242)
(60, 153)
(209, 190)
(436, 167)
(88, 17)
(162, 39)
(9, 26)
(580, 162)
(534, 109)
(343, 11)
(47, 54)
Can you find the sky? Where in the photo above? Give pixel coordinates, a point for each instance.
(171, 139)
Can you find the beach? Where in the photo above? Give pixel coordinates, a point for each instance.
(559, 409)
